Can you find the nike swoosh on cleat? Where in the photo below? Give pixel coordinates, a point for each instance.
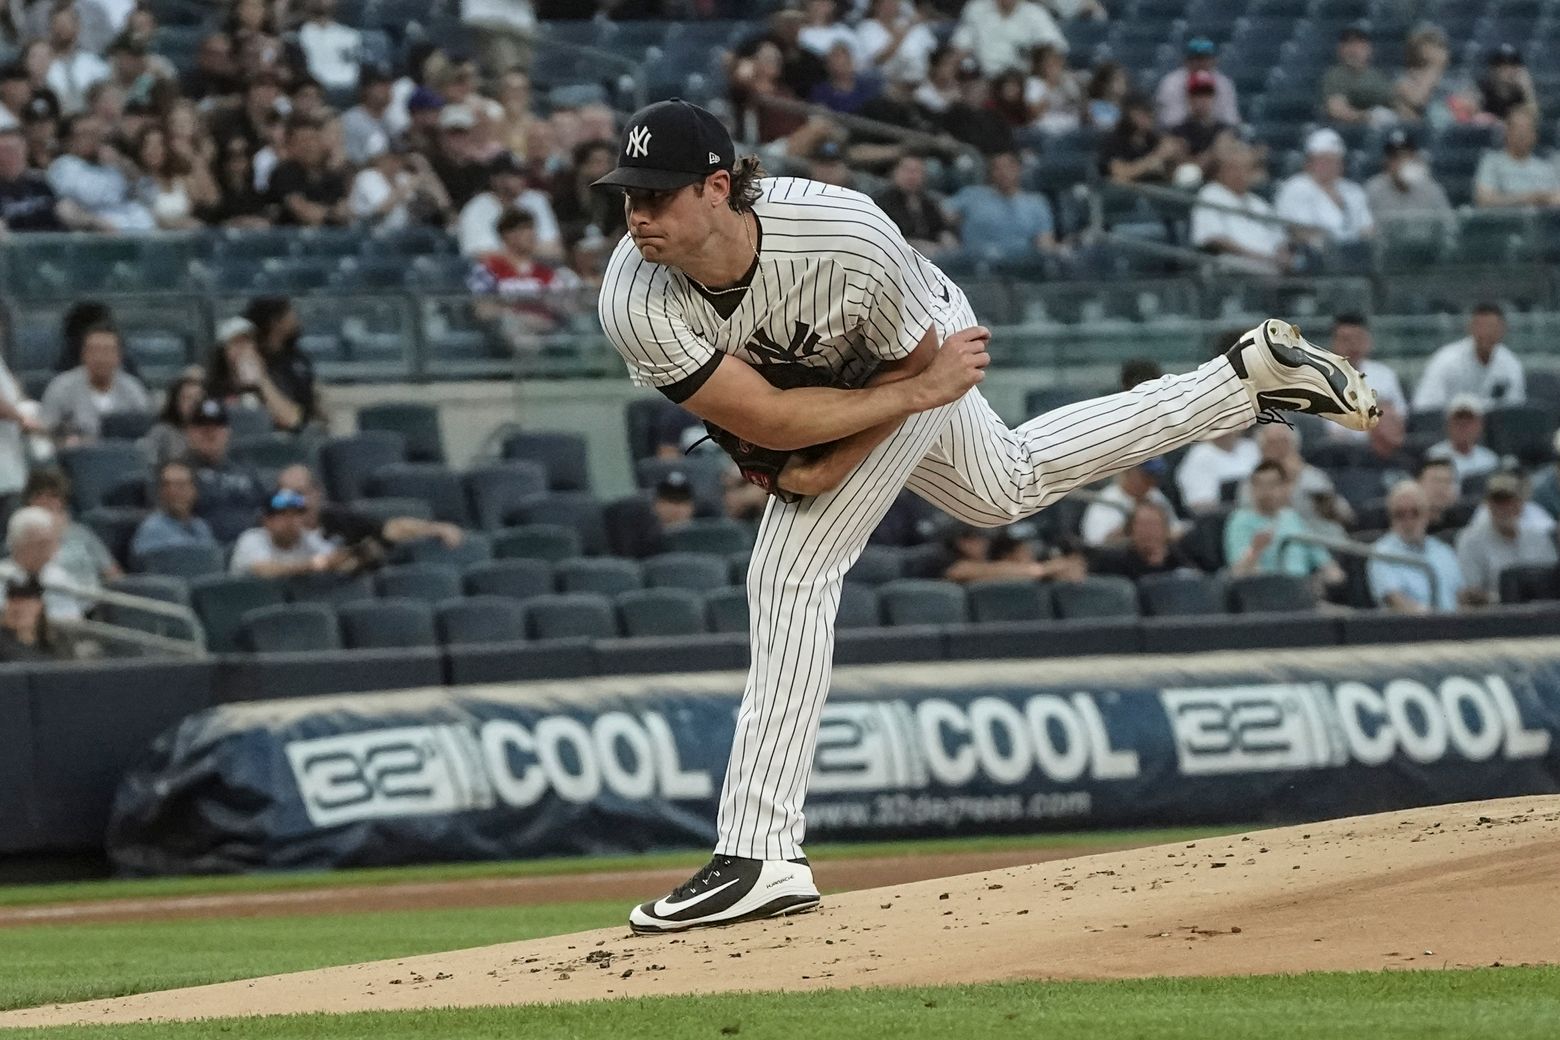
(663, 908)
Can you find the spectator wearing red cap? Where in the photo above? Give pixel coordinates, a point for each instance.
(1202, 128)
(1170, 98)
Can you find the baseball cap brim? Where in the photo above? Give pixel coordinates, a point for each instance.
(649, 180)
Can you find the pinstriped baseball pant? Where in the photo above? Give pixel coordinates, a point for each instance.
(965, 460)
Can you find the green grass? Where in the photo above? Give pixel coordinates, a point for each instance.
(32, 895)
(1506, 1003)
(46, 964)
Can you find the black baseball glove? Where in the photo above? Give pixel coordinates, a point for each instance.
(760, 465)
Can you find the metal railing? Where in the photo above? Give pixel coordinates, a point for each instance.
(1347, 547)
(192, 646)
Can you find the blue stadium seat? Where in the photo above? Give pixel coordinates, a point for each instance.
(606, 576)
(877, 565)
(328, 589)
(96, 471)
(661, 612)
(716, 535)
(183, 561)
(578, 510)
(424, 582)
(727, 609)
(919, 601)
(347, 463)
(858, 607)
(1178, 594)
(1529, 584)
(1258, 593)
(162, 589)
(1097, 596)
(433, 483)
(474, 547)
(538, 542)
(562, 455)
(115, 526)
(417, 423)
(222, 600)
(514, 579)
(494, 492)
(576, 616)
(290, 628)
(699, 572)
(1009, 601)
(386, 624)
(479, 619)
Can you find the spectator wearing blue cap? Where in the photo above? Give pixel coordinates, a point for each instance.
(282, 545)
(1105, 521)
(1170, 98)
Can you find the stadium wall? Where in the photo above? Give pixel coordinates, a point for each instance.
(625, 764)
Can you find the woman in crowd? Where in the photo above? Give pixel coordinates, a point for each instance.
(168, 187)
(165, 441)
(289, 370)
(238, 204)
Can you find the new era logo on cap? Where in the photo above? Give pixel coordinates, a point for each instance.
(690, 144)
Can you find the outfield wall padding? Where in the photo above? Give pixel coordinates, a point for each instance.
(633, 763)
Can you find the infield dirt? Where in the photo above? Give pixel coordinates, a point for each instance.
(1449, 886)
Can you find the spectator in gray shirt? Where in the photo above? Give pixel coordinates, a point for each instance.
(93, 175)
(365, 127)
(75, 401)
(1404, 194)
(1500, 540)
(1514, 176)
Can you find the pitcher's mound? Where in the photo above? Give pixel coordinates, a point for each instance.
(1449, 886)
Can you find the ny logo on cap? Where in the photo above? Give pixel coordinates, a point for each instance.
(638, 142)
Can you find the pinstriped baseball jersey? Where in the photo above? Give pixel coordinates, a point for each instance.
(836, 287)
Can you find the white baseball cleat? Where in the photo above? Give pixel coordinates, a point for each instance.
(729, 889)
(1283, 372)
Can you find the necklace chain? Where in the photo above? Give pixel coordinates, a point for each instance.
(735, 288)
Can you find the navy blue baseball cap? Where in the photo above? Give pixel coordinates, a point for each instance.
(668, 145)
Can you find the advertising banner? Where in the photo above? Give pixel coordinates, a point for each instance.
(615, 766)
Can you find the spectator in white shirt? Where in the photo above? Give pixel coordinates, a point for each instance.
(1001, 33)
(76, 400)
(1319, 196)
(478, 231)
(333, 51)
(283, 545)
(895, 43)
(369, 120)
(823, 29)
(1351, 339)
(1464, 431)
(1209, 465)
(1105, 521)
(1245, 242)
(73, 69)
(94, 176)
(397, 188)
(1478, 364)
(32, 537)
(1170, 105)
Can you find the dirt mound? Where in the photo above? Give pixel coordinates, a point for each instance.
(1448, 886)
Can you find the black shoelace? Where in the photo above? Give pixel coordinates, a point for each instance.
(704, 879)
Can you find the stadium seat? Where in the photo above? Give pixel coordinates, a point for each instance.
(704, 473)
(727, 609)
(385, 624)
(878, 565)
(1204, 543)
(328, 589)
(1525, 431)
(576, 616)
(606, 576)
(1009, 601)
(709, 536)
(1529, 584)
(290, 628)
(97, 470)
(920, 601)
(562, 455)
(430, 482)
(418, 425)
(125, 426)
(700, 572)
(115, 526)
(474, 547)
(495, 491)
(643, 418)
(1179, 594)
(269, 451)
(633, 531)
(661, 612)
(479, 619)
(1258, 593)
(577, 510)
(550, 542)
(222, 600)
(424, 582)
(859, 607)
(1097, 596)
(514, 579)
(149, 586)
(347, 463)
(183, 561)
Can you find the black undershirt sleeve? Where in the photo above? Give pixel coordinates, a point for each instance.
(689, 385)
